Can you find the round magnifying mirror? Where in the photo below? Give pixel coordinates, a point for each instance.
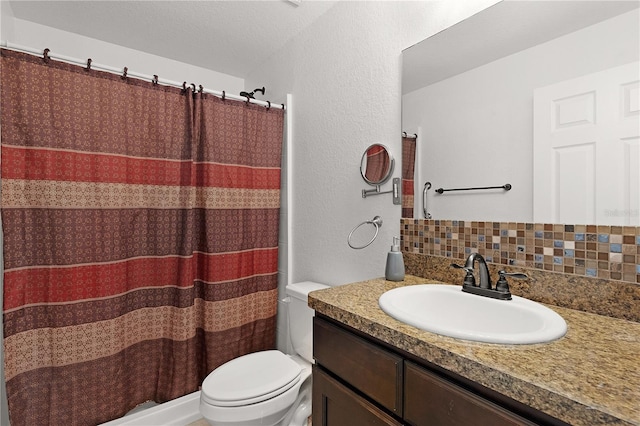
(376, 166)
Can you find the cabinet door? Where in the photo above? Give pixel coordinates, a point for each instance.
(372, 370)
(336, 405)
(431, 400)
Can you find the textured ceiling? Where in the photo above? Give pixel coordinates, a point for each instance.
(232, 37)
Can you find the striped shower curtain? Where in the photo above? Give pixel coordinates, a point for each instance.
(408, 168)
(140, 238)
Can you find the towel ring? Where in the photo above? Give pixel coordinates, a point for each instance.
(376, 221)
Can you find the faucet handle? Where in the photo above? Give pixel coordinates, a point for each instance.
(453, 265)
(517, 275)
(502, 284)
(469, 279)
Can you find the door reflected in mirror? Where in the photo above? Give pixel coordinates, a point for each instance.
(376, 166)
(468, 92)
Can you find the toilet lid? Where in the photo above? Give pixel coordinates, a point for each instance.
(250, 379)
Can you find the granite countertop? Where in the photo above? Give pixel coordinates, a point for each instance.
(591, 376)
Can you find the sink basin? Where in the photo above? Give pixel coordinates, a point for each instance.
(445, 309)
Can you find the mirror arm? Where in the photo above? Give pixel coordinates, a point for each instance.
(375, 191)
(396, 191)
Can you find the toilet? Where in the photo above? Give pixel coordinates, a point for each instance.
(267, 388)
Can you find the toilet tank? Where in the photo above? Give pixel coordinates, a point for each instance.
(300, 317)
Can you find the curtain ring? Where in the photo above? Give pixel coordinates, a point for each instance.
(200, 88)
(124, 73)
(184, 87)
(45, 56)
(88, 68)
(155, 80)
(193, 87)
(247, 101)
(224, 94)
(268, 106)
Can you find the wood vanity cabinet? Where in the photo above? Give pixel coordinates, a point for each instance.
(342, 406)
(357, 381)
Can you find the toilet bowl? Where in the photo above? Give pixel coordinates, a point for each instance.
(267, 388)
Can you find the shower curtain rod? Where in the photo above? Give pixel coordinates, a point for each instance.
(124, 71)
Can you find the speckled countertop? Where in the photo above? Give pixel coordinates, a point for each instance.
(591, 376)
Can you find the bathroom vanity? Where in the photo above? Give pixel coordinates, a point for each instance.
(382, 379)
(372, 369)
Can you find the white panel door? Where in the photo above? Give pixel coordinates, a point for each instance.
(586, 149)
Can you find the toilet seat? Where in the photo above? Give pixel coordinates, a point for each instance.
(250, 379)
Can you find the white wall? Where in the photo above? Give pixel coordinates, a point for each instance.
(476, 128)
(345, 76)
(62, 42)
(344, 72)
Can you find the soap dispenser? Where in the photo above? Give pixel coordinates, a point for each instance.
(395, 263)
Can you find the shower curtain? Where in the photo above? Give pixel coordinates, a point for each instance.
(140, 238)
(408, 169)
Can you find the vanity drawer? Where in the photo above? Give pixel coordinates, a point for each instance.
(431, 400)
(372, 370)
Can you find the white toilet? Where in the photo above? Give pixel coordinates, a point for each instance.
(266, 388)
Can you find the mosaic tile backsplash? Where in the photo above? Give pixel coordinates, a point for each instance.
(609, 252)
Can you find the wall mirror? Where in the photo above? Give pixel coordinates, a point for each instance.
(469, 92)
(376, 166)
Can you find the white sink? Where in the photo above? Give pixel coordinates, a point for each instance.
(445, 309)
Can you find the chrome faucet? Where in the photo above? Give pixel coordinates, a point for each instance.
(501, 291)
